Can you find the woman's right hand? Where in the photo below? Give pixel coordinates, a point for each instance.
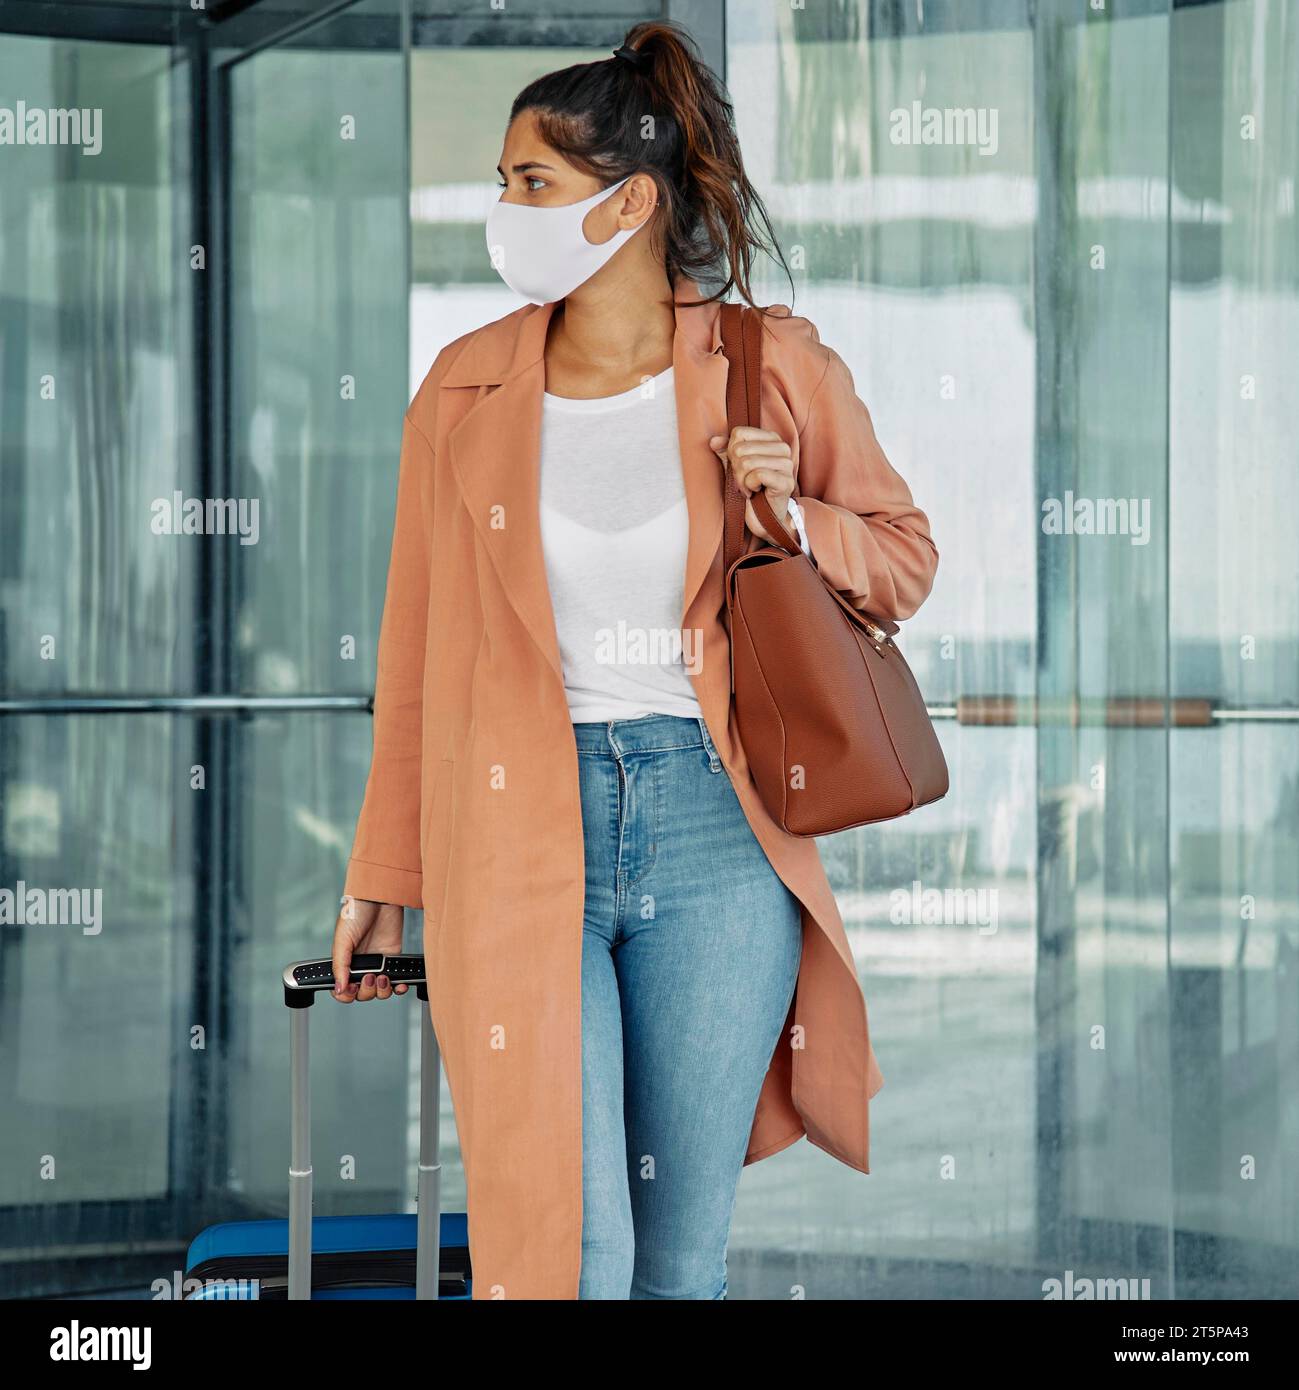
(365, 927)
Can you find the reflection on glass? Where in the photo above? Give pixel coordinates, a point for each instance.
(1234, 629)
(96, 991)
(96, 373)
(318, 366)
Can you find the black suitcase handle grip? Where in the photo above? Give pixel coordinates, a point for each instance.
(304, 979)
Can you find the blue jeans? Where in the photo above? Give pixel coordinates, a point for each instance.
(690, 953)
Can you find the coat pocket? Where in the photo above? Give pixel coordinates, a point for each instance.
(437, 844)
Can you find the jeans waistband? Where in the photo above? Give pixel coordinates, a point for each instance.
(655, 733)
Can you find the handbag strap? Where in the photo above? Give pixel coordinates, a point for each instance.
(742, 346)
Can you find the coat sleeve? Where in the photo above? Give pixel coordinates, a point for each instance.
(868, 538)
(385, 865)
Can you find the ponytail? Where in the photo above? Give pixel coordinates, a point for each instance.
(657, 109)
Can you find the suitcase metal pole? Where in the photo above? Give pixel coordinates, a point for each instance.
(300, 1154)
(301, 983)
(428, 1245)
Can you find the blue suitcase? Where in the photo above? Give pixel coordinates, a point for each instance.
(388, 1257)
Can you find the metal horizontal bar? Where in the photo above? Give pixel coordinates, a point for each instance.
(183, 704)
(1260, 712)
(987, 710)
(1183, 712)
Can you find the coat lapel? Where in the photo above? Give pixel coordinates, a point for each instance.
(495, 451)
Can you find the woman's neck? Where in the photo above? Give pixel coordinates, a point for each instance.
(604, 338)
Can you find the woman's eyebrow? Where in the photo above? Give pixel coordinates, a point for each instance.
(524, 167)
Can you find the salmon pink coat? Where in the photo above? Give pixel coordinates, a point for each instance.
(472, 808)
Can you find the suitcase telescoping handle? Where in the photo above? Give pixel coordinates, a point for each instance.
(303, 980)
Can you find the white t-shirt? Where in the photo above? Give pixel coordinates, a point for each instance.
(614, 532)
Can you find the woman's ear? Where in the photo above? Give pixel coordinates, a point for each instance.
(640, 198)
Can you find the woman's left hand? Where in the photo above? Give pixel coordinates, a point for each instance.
(758, 459)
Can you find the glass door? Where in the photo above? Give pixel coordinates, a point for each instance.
(1055, 244)
(203, 371)
(311, 383)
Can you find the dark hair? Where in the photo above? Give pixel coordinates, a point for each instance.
(711, 219)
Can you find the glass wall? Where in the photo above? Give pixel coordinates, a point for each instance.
(1070, 310)
(202, 305)
(1233, 626)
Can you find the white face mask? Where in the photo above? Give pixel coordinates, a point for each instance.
(541, 253)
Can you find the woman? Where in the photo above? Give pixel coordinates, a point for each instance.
(638, 980)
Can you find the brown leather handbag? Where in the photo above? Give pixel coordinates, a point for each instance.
(829, 715)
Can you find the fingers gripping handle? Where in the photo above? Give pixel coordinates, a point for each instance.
(304, 979)
(742, 347)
